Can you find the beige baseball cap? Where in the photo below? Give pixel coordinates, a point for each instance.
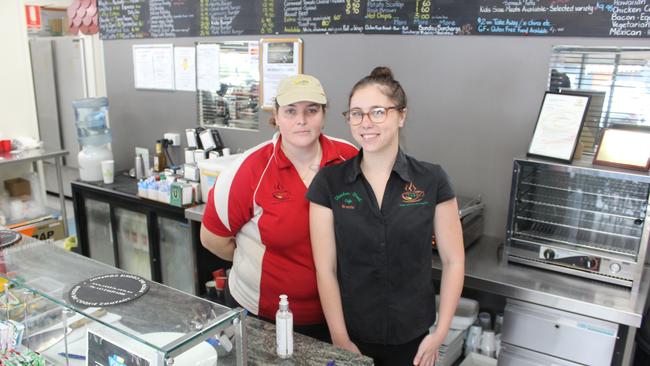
(300, 88)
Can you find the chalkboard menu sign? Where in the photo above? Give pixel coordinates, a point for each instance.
(223, 17)
(430, 17)
(120, 19)
(618, 18)
(323, 16)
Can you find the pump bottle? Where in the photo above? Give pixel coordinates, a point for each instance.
(284, 329)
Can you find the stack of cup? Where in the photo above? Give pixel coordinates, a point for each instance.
(482, 338)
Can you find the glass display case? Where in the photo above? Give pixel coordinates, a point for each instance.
(162, 327)
(176, 258)
(100, 232)
(133, 242)
(579, 219)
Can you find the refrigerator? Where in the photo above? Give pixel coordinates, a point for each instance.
(59, 74)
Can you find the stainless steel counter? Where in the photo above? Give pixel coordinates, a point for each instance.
(485, 272)
(195, 213)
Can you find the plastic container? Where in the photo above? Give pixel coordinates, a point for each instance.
(284, 329)
(465, 315)
(90, 158)
(93, 136)
(210, 169)
(475, 359)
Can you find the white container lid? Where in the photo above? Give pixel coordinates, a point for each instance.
(218, 163)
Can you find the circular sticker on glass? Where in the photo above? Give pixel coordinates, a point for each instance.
(108, 289)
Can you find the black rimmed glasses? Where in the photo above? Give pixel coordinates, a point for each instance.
(376, 114)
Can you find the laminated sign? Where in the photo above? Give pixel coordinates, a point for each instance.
(108, 289)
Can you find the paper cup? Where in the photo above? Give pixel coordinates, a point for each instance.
(107, 171)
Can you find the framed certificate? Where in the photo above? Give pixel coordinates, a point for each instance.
(558, 127)
(280, 58)
(621, 148)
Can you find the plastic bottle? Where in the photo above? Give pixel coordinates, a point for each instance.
(284, 329)
(139, 167)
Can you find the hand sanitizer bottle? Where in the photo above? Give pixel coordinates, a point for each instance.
(284, 329)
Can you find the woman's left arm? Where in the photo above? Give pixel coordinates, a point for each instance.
(449, 240)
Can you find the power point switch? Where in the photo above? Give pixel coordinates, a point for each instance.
(175, 138)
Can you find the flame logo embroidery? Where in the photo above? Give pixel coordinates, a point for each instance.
(281, 195)
(412, 194)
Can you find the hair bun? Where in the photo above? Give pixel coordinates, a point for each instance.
(381, 72)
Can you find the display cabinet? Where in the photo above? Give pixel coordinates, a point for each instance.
(144, 237)
(100, 233)
(164, 326)
(580, 219)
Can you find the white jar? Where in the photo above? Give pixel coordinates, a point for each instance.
(90, 158)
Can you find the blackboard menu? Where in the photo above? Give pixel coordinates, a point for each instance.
(425, 17)
(618, 18)
(120, 20)
(175, 18)
(125, 19)
(322, 16)
(227, 17)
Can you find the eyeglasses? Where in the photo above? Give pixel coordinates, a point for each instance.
(375, 115)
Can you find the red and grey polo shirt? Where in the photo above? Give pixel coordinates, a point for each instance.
(260, 200)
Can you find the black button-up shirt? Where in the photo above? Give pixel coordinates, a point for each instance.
(384, 254)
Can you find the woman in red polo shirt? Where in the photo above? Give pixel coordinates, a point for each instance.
(257, 215)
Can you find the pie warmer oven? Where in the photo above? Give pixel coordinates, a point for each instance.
(579, 219)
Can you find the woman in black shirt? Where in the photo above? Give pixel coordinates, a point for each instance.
(371, 221)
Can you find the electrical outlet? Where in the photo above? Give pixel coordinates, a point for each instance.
(175, 138)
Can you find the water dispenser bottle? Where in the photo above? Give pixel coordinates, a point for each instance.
(93, 136)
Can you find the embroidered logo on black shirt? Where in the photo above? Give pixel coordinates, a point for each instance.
(412, 196)
(348, 200)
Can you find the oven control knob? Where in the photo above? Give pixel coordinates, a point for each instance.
(615, 267)
(549, 254)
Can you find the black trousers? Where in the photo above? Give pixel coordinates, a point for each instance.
(318, 331)
(391, 355)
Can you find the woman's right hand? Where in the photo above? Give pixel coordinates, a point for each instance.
(348, 345)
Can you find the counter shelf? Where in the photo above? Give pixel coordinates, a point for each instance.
(33, 267)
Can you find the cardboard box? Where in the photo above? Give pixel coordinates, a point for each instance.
(43, 230)
(18, 187)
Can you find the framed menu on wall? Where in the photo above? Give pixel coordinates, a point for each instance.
(281, 58)
(559, 122)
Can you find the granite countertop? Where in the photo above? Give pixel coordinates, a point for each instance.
(306, 351)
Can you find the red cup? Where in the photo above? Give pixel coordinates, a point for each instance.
(220, 278)
(5, 145)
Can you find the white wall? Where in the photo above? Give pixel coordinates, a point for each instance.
(17, 104)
